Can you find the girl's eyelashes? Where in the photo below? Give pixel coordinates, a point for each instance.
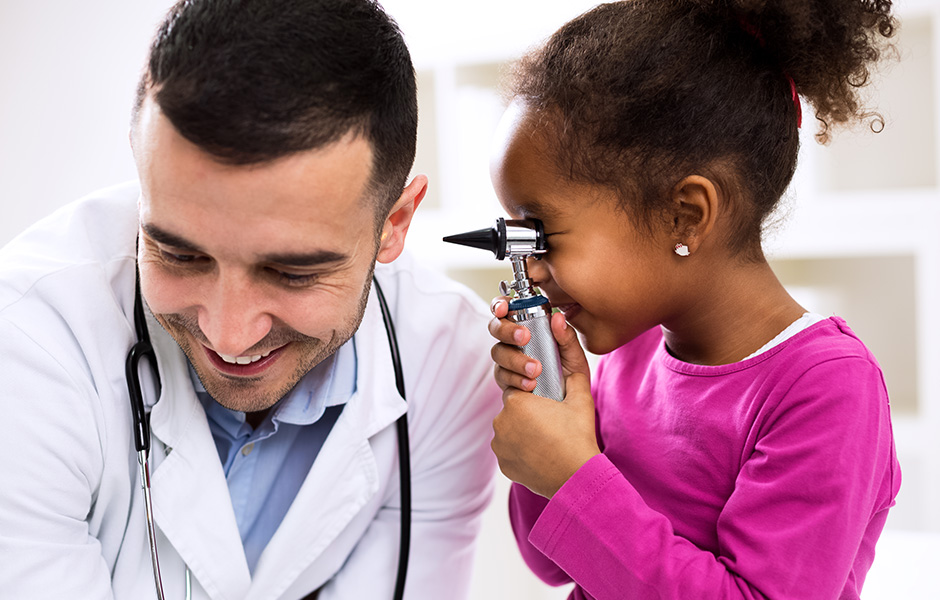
(548, 248)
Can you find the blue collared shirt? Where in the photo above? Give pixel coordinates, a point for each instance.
(265, 467)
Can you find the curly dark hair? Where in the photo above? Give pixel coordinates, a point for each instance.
(645, 92)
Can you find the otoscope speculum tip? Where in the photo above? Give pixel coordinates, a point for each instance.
(485, 239)
(515, 239)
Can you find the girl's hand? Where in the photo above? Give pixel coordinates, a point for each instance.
(538, 442)
(515, 369)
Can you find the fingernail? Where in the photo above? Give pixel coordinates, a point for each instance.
(530, 369)
(528, 384)
(518, 335)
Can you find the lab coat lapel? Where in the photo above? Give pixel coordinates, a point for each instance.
(191, 502)
(343, 479)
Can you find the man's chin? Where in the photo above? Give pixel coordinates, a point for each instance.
(246, 395)
(241, 403)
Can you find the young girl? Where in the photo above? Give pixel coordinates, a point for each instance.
(732, 445)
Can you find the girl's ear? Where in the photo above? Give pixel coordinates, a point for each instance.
(694, 211)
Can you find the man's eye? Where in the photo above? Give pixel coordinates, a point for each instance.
(177, 258)
(293, 279)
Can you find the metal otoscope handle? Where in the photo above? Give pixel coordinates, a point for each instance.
(535, 315)
(518, 240)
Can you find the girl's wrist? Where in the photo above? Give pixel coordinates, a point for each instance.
(574, 466)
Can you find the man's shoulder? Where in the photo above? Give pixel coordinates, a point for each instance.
(444, 344)
(436, 317)
(417, 288)
(93, 236)
(67, 282)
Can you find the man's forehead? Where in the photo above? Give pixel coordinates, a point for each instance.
(350, 153)
(338, 172)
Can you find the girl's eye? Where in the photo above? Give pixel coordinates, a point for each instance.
(548, 247)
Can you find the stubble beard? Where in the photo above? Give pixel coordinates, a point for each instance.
(243, 393)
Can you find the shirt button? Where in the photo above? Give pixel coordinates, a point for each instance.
(247, 449)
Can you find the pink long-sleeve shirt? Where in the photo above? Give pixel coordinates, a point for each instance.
(767, 478)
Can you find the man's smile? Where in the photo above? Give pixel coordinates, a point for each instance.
(243, 366)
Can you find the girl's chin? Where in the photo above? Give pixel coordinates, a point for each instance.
(593, 343)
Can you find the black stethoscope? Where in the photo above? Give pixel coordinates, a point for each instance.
(143, 349)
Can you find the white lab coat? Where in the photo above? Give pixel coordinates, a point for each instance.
(71, 510)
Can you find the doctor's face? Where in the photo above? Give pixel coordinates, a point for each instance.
(259, 272)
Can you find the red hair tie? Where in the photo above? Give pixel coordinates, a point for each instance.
(796, 102)
(755, 33)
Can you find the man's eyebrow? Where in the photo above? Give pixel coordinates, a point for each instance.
(288, 259)
(306, 259)
(169, 239)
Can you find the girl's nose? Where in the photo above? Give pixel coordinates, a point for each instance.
(538, 272)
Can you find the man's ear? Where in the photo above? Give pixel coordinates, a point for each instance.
(694, 211)
(392, 240)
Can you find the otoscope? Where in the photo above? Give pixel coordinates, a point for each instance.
(519, 240)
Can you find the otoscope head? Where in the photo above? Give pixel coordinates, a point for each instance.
(515, 239)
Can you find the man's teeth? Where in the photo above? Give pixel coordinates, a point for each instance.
(242, 360)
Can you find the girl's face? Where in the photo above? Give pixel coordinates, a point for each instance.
(612, 278)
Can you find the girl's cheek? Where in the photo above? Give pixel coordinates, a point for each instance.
(562, 271)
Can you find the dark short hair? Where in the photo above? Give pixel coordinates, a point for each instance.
(640, 94)
(250, 81)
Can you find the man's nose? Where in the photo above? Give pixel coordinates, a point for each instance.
(234, 315)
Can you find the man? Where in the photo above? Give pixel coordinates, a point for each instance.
(272, 140)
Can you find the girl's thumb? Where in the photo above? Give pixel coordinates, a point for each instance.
(577, 385)
(569, 348)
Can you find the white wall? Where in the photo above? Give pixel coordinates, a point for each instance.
(68, 73)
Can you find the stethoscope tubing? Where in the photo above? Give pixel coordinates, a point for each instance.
(143, 349)
(404, 451)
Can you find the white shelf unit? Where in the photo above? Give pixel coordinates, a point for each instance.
(857, 238)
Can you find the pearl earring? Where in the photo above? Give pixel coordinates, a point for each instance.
(682, 249)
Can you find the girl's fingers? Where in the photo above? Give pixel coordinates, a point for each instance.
(503, 329)
(508, 332)
(499, 307)
(506, 380)
(512, 359)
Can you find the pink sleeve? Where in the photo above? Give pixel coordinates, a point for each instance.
(524, 509)
(808, 505)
